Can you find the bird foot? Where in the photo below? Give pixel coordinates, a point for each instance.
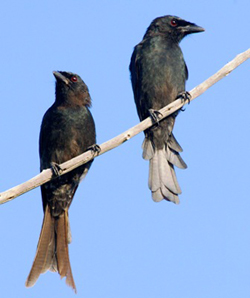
(57, 170)
(95, 148)
(183, 96)
(155, 115)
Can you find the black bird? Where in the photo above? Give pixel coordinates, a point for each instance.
(67, 130)
(158, 75)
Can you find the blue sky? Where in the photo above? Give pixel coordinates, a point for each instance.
(125, 245)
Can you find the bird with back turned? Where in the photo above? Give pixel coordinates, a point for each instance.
(67, 130)
(158, 76)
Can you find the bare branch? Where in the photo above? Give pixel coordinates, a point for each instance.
(68, 166)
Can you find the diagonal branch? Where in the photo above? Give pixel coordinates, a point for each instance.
(68, 166)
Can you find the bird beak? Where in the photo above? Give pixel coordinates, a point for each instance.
(192, 28)
(61, 77)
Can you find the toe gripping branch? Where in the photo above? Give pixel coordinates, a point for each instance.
(155, 115)
(184, 96)
(96, 149)
(56, 169)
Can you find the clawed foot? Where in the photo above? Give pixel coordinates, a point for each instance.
(155, 115)
(184, 96)
(95, 148)
(57, 170)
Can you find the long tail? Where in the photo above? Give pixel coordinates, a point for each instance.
(52, 249)
(162, 179)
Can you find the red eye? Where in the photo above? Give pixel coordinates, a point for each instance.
(74, 79)
(174, 23)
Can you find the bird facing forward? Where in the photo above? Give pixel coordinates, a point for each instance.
(158, 76)
(67, 130)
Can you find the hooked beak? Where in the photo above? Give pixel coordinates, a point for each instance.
(60, 77)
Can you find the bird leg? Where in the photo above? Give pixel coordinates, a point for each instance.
(155, 115)
(56, 169)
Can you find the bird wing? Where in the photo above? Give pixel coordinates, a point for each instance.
(135, 71)
(186, 70)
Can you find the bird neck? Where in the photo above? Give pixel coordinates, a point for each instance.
(166, 37)
(71, 98)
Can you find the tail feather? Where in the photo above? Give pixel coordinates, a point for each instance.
(63, 261)
(177, 186)
(174, 158)
(162, 178)
(167, 176)
(168, 195)
(52, 249)
(154, 175)
(157, 195)
(44, 249)
(164, 193)
(50, 262)
(148, 150)
(173, 144)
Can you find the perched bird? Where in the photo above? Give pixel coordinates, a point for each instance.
(158, 75)
(67, 130)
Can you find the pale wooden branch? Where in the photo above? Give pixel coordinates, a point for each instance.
(68, 166)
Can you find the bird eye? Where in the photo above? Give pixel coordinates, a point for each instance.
(174, 23)
(73, 79)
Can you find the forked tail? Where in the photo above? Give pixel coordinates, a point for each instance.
(52, 249)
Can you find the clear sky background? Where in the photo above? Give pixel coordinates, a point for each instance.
(125, 245)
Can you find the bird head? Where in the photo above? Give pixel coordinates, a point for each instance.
(172, 27)
(71, 88)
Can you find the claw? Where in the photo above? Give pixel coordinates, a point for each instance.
(155, 115)
(95, 148)
(57, 170)
(185, 95)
